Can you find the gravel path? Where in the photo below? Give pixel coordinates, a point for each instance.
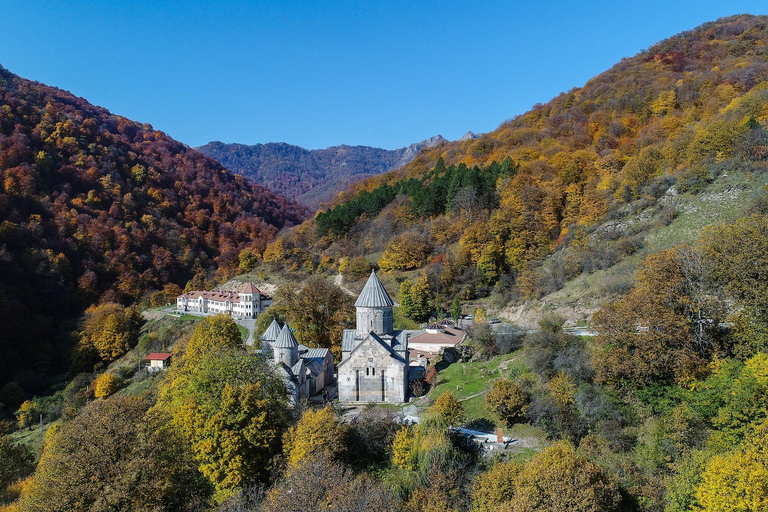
(339, 281)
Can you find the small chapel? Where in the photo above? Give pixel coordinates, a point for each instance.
(374, 357)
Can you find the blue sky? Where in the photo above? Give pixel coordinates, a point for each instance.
(321, 73)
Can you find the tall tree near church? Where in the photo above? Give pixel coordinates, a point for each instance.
(230, 408)
(414, 298)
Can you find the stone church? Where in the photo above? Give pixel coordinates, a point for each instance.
(307, 372)
(374, 357)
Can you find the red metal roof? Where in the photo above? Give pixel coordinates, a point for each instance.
(158, 356)
(226, 295)
(447, 337)
(249, 288)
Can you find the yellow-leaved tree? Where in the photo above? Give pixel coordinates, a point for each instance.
(557, 479)
(230, 443)
(111, 456)
(402, 449)
(108, 330)
(493, 490)
(275, 253)
(405, 252)
(28, 414)
(229, 407)
(315, 432)
(106, 384)
(738, 481)
(562, 388)
(214, 332)
(507, 401)
(447, 410)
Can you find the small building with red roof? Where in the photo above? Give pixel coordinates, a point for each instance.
(157, 361)
(425, 345)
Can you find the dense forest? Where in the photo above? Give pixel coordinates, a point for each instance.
(674, 118)
(314, 176)
(96, 207)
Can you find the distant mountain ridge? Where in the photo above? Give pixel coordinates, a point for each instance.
(309, 176)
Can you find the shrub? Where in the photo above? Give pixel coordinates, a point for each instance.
(562, 480)
(493, 490)
(358, 268)
(630, 245)
(447, 409)
(106, 384)
(315, 432)
(321, 483)
(551, 322)
(27, 414)
(15, 462)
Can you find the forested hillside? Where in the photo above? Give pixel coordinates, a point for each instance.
(489, 211)
(315, 176)
(93, 207)
(663, 409)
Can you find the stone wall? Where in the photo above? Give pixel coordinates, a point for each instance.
(370, 374)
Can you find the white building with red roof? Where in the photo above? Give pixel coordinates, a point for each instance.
(245, 303)
(157, 361)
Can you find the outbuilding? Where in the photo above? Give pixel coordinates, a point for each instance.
(157, 361)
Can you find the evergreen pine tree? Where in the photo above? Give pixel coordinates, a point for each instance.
(456, 308)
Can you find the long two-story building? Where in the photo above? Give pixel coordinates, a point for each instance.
(246, 303)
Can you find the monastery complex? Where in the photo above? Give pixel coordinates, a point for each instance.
(377, 361)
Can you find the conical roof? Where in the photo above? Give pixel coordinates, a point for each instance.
(272, 332)
(249, 288)
(298, 368)
(286, 339)
(374, 295)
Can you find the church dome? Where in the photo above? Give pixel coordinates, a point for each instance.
(272, 332)
(286, 339)
(374, 295)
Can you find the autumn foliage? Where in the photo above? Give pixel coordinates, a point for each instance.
(315, 432)
(106, 384)
(108, 331)
(228, 407)
(507, 401)
(93, 206)
(447, 410)
(679, 113)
